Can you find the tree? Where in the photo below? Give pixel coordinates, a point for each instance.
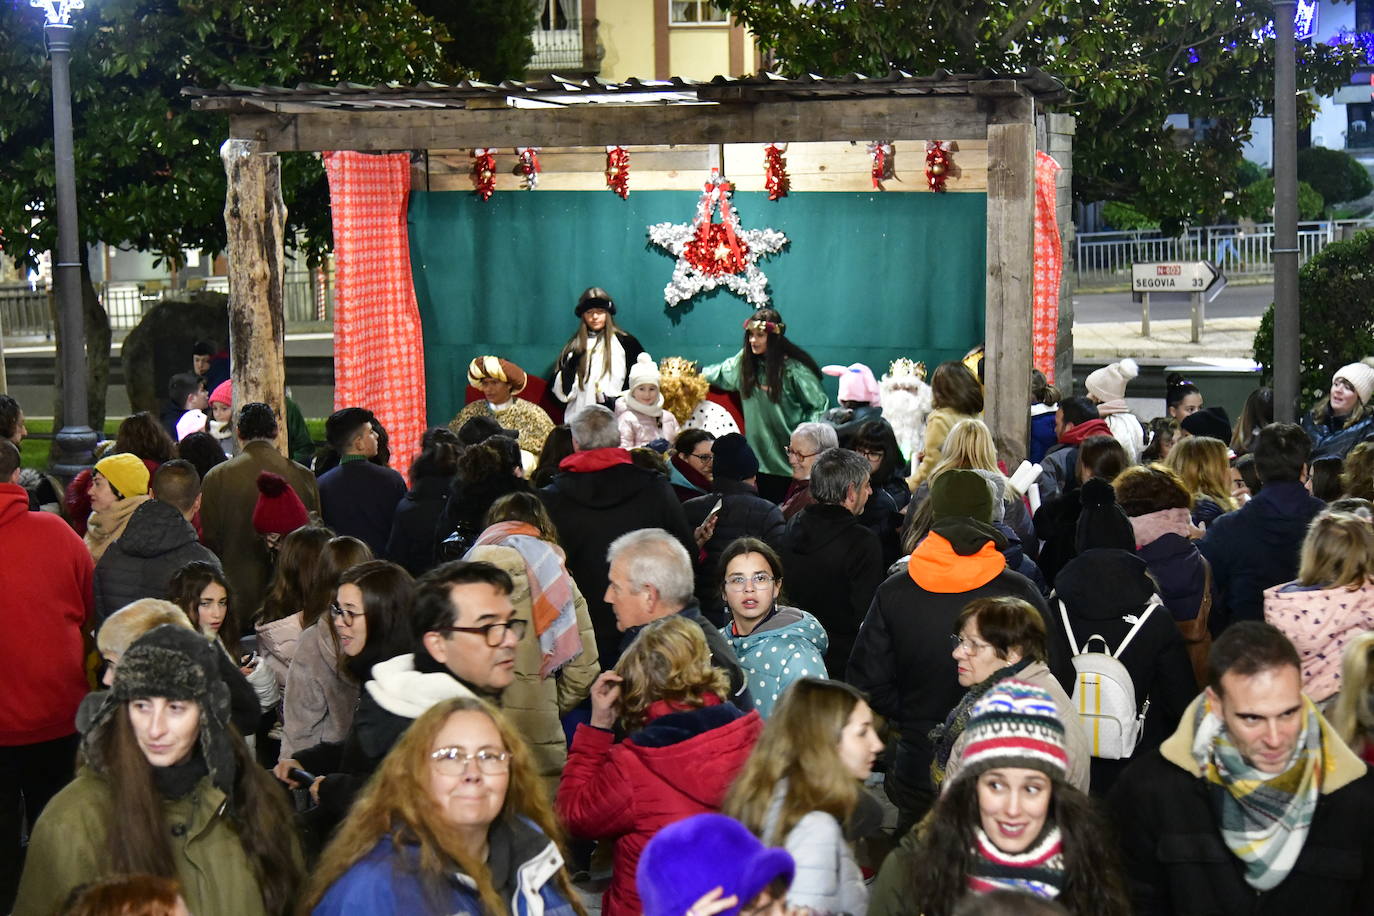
(148, 170)
(1128, 65)
(492, 38)
(1337, 175)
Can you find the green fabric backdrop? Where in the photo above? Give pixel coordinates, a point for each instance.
(866, 278)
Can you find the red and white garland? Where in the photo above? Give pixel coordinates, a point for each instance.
(884, 162)
(527, 167)
(937, 164)
(711, 254)
(775, 179)
(484, 171)
(618, 171)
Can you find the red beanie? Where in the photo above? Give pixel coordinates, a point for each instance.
(279, 509)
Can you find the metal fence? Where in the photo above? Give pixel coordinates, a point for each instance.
(558, 36)
(1105, 258)
(25, 312)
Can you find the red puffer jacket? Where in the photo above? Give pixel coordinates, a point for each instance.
(679, 764)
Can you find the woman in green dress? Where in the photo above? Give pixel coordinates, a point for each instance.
(779, 384)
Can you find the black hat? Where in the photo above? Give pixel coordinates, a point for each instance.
(734, 458)
(1102, 523)
(1210, 422)
(481, 428)
(959, 493)
(594, 297)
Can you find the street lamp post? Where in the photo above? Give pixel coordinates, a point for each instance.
(1286, 350)
(75, 440)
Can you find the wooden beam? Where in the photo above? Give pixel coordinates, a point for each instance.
(663, 66)
(736, 49)
(908, 118)
(1011, 270)
(255, 218)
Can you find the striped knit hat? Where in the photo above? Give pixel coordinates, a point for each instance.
(1015, 724)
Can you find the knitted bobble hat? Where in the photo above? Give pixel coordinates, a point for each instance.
(686, 860)
(734, 459)
(1360, 377)
(1102, 523)
(223, 393)
(1014, 724)
(1109, 382)
(643, 372)
(126, 473)
(175, 663)
(279, 510)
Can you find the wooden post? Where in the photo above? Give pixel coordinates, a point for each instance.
(1011, 272)
(255, 218)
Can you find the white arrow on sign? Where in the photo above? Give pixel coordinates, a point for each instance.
(1173, 277)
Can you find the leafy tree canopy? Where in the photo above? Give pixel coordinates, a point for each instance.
(148, 170)
(490, 37)
(1128, 64)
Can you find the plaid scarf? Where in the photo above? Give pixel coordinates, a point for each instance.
(944, 735)
(551, 592)
(1264, 818)
(1038, 871)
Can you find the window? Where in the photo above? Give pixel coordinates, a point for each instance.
(695, 12)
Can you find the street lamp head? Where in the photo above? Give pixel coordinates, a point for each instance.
(58, 12)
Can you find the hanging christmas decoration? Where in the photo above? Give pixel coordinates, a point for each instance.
(775, 179)
(618, 170)
(884, 162)
(484, 172)
(711, 254)
(527, 165)
(937, 164)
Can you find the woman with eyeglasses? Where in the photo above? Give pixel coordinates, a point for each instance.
(882, 514)
(371, 617)
(319, 699)
(995, 639)
(776, 645)
(455, 821)
(684, 744)
(800, 790)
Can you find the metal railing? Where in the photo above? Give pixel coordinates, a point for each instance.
(25, 312)
(558, 36)
(1105, 258)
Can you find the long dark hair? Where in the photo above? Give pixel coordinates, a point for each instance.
(439, 451)
(874, 435)
(1092, 878)
(142, 435)
(779, 350)
(137, 834)
(341, 553)
(953, 386)
(388, 592)
(185, 590)
(295, 573)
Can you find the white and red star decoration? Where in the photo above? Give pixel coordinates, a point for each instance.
(711, 254)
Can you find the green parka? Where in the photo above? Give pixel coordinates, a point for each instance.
(767, 425)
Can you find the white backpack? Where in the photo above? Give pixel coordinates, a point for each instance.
(1104, 694)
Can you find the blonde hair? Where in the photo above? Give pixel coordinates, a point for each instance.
(396, 803)
(121, 628)
(1338, 552)
(670, 661)
(682, 387)
(969, 445)
(1202, 464)
(1353, 714)
(800, 743)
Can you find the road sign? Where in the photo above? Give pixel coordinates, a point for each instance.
(1173, 277)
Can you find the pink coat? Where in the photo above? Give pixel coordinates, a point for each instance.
(1320, 621)
(638, 430)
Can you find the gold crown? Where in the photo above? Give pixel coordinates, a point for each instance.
(904, 366)
(677, 366)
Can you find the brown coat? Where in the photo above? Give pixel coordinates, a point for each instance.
(228, 496)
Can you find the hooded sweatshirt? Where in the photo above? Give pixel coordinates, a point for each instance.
(785, 647)
(156, 543)
(1319, 622)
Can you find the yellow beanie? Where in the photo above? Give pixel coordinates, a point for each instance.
(126, 473)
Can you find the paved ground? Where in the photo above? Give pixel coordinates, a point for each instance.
(1107, 327)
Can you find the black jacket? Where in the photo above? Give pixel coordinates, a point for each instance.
(155, 544)
(1156, 658)
(1328, 441)
(1255, 547)
(591, 508)
(414, 528)
(743, 513)
(1176, 863)
(832, 565)
(359, 498)
(1180, 573)
(1056, 525)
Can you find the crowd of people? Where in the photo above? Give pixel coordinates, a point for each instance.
(766, 658)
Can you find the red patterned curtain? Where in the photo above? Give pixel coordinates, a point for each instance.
(1049, 267)
(379, 358)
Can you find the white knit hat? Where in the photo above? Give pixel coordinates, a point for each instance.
(645, 372)
(1360, 377)
(1109, 382)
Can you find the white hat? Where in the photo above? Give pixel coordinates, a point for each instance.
(193, 421)
(1360, 377)
(645, 372)
(1109, 382)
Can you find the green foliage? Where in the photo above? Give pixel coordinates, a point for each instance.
(148, 170)
(1336, 315)
(1336, 174)
(490, 37)
(1247, 173)
(1257, 201)
(1126, 64)
(1126, 218)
